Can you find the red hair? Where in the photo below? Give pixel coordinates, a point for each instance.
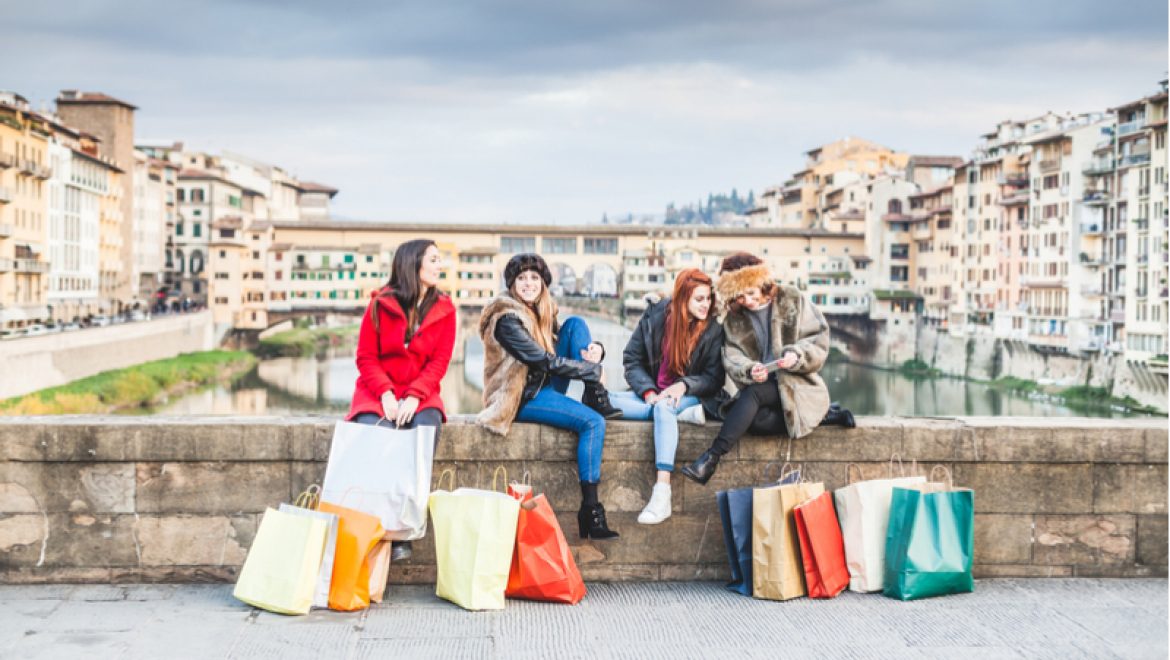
(682, 331)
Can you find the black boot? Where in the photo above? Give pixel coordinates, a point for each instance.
(591, 523)
(596, 397)
(838, 416)
(703, 467)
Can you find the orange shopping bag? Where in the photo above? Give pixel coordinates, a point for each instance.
(542, 564)
(357, 534)
(821, 547)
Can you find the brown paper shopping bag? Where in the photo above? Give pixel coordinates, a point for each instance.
(777, 571)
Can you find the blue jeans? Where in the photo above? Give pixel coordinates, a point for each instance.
(550, 406)
(665, 416)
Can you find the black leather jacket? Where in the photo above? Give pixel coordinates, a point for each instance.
(514, 339)
(704, 375)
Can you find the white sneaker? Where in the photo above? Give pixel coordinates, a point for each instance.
(658, 508)
(693, 415)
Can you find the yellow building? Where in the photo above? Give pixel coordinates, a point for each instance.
(24, 266)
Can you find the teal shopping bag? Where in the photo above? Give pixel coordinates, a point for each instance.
(930, 541)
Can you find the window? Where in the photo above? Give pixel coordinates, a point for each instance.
(179, 228)
(196, 230)
(255, 254)
(227, 233)
(516, 244)
(222, 254)
(182, 194)
(222, 276)
(196, 194)
(601, 246)
(559, 245)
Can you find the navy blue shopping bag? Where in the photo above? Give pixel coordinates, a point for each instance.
(735, 510)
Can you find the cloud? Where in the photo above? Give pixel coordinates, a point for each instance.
(520, 111)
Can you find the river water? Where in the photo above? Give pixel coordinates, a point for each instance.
(323, 386)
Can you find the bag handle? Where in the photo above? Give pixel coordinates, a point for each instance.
(310, 498)
(798, 468)
(439, 483)
(769, 466)
(849, 475)
(946, 473)
(496, 474)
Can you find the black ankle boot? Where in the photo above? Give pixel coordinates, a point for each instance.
(703, 467)
(591, 522)
(838, 416)
(596, 397)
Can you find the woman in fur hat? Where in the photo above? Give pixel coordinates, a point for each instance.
(774, 325)
(528, 362)
(675, 371)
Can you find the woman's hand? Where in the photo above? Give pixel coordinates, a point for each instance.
(788, 360)
(650, 397)
(674, 393)
(592, 353)
(389, 405)
(759, 373)
(406, 410)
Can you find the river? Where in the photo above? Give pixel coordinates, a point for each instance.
(323, 386)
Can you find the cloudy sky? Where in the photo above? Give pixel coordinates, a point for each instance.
(480, 111)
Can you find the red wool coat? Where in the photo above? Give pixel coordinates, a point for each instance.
(413, 370)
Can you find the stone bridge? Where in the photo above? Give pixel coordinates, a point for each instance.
(120, 499)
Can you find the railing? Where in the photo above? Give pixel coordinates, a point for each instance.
(5, 195)
(1142, 224)
(1098, 166)
(31, 266)
(6, 160)
(1049, 165)
(1091, 290)
(1090, 228)
(1096, 197)
(7, 265)
(1131, 126)
(1135, 159)
(1117, 316)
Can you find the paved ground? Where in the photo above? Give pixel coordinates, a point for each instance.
(1062, 618)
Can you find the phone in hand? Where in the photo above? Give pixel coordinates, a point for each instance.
(772, 367)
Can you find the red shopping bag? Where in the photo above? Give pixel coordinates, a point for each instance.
(822, 549)
(542, 564)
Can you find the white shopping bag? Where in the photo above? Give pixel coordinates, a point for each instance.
(306, 505)
(382, 471)
(863, 509)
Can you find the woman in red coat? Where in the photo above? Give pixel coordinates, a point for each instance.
(404, 347)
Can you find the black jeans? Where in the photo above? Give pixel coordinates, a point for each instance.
(756, 409)
(424, 417)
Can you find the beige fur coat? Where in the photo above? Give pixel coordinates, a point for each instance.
(503, 375)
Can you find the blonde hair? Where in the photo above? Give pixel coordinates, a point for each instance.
(544, 314)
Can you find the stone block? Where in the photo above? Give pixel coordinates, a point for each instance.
(620, 572)
(981, 571)
(469, 442)
(54, 575)
(874, 439)
(22, 441)
(1027, 487)
(682, 538)
(195, 488)
(1003, 539)
(1157, 444)
(1084, 539)
(694, 572)
(1149, 489)
(67, 540)
(1119, 444)
(244, 442)
(186, 540)
(66, 487)
(411, 574)
(730, 474)
(1118, 571)
(1151, 541)
(174, 574)
(301, 476)
(1129, 489)
(557, 444)
(933, 440)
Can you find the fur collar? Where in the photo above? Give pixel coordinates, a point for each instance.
(733, 283)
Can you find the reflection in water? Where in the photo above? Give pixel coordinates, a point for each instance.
(307, 386)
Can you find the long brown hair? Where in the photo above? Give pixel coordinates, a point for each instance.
(544, 313)
(682, 331)
(405, 286)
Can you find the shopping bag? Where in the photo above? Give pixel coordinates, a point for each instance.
(863, 509)
(542, 563)
(822, 552)
(474, 532)
(384, 471)
(735, 511)
(379, 561)
(306, 505)
(930, 541)
(280, 571)
(777, 572)
(357, 534)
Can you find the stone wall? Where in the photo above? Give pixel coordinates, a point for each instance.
(34, 363)
(110, 499)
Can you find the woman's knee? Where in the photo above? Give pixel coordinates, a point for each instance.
(369, 419)
(574, 324)
(665, 408)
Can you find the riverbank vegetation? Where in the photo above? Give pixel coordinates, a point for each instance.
(133, 387)
(306, 342)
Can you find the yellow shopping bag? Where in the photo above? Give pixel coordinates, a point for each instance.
(475, 533)
(777, 571)
(280, 573)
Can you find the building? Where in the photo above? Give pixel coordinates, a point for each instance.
(24, 172)
(111, 121)
(155, 209)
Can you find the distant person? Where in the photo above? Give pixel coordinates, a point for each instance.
(528, 362)
(767, 324)
(675, 372)
(404, 346)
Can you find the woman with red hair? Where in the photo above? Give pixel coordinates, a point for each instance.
(675, 371)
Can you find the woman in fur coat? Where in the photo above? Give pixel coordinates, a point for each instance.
(775, 342)
(528, 362)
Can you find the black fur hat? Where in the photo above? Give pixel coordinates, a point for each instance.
(526, 261)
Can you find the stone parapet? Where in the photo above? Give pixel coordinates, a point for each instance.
(118, 499)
